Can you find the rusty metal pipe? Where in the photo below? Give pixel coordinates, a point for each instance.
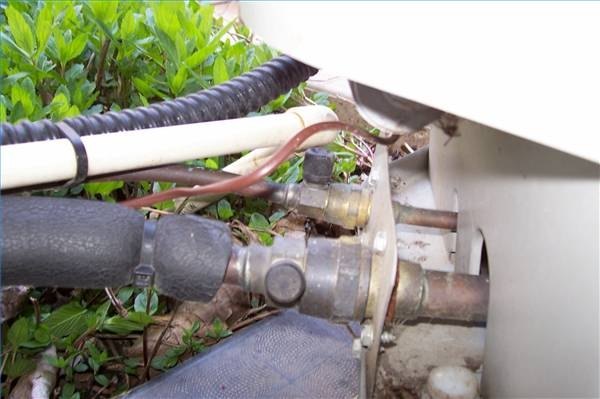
(439, 295)
(425, 217)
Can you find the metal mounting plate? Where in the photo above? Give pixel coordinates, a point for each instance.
(380, 234)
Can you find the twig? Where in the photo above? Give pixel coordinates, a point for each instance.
(364, 144)
(255, 310)
(408, 148)
(251, 320)
(353, 151)
(116, 302)
(158, 211)
(102, 389)
(5, 355)
(363, 157)
(117, 337)
(235, 35)
(145, 333)
(146, 373)
(101, 61)
(36, 310)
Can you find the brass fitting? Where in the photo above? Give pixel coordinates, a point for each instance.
(323, 277)
(346, 205)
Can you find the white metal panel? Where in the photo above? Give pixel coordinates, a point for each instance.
(527, 68)
(538, 212)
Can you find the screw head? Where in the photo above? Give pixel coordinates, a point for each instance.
(380, 242)
(366, 335)
(387, 337)
(284, 284)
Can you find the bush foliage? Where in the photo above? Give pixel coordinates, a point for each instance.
(61, 59)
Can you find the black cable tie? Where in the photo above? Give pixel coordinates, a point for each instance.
(80, 154)
(143, 273)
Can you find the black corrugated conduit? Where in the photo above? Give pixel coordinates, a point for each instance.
(233, 99)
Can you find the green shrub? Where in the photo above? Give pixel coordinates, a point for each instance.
(59, 59)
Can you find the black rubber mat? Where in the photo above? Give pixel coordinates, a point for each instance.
(286, 356)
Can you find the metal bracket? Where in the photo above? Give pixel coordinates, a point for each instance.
(380, 234)
(143, 273)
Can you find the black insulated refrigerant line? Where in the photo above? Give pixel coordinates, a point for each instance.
(233, 99)
(62, 242)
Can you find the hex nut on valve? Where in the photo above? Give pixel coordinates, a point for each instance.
(285, 284)
(318, 166)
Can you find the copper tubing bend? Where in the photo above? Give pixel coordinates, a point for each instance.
(189, 176)
(240, 182)
(439, 295)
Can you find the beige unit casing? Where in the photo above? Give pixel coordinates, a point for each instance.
(530, 191)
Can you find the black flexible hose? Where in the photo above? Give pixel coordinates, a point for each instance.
(72, 243)
(233, 99)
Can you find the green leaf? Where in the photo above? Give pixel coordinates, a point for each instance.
(194, 328)
(169, 358)
(220, 74)
(58, 362)
(165, 17)
(80, 367)
(202, 54)
(206, 12)
(167, 45)
(258, 222)
(210, 163)
(104, 189)
(146, 89)
(128, 26)
(218, 330)
(102, 379)
(43, 28)
(124, 294)
(276, 217)
(18, 333)
(67, 48)
(135, 321)
(75, 72)
(20, 30)
(42, 334)
(77, 46)
(141, 302)
(18, 94)
(177, 82)
(61, 108)
(12, 79)
(69, 319)
(68, 392)
(261, 225)
(101, 313)
(131, 365)
(105, 11)
(6, 39)
(3, 108)
(224, 210)
(21, 365)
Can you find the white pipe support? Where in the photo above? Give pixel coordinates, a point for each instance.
(54, 160)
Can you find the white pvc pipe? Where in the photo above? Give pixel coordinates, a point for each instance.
(54, 160)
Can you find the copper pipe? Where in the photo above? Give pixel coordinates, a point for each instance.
(425, 217)
(196, 177)
(455, 296)
(240, 182)
(439, 295)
